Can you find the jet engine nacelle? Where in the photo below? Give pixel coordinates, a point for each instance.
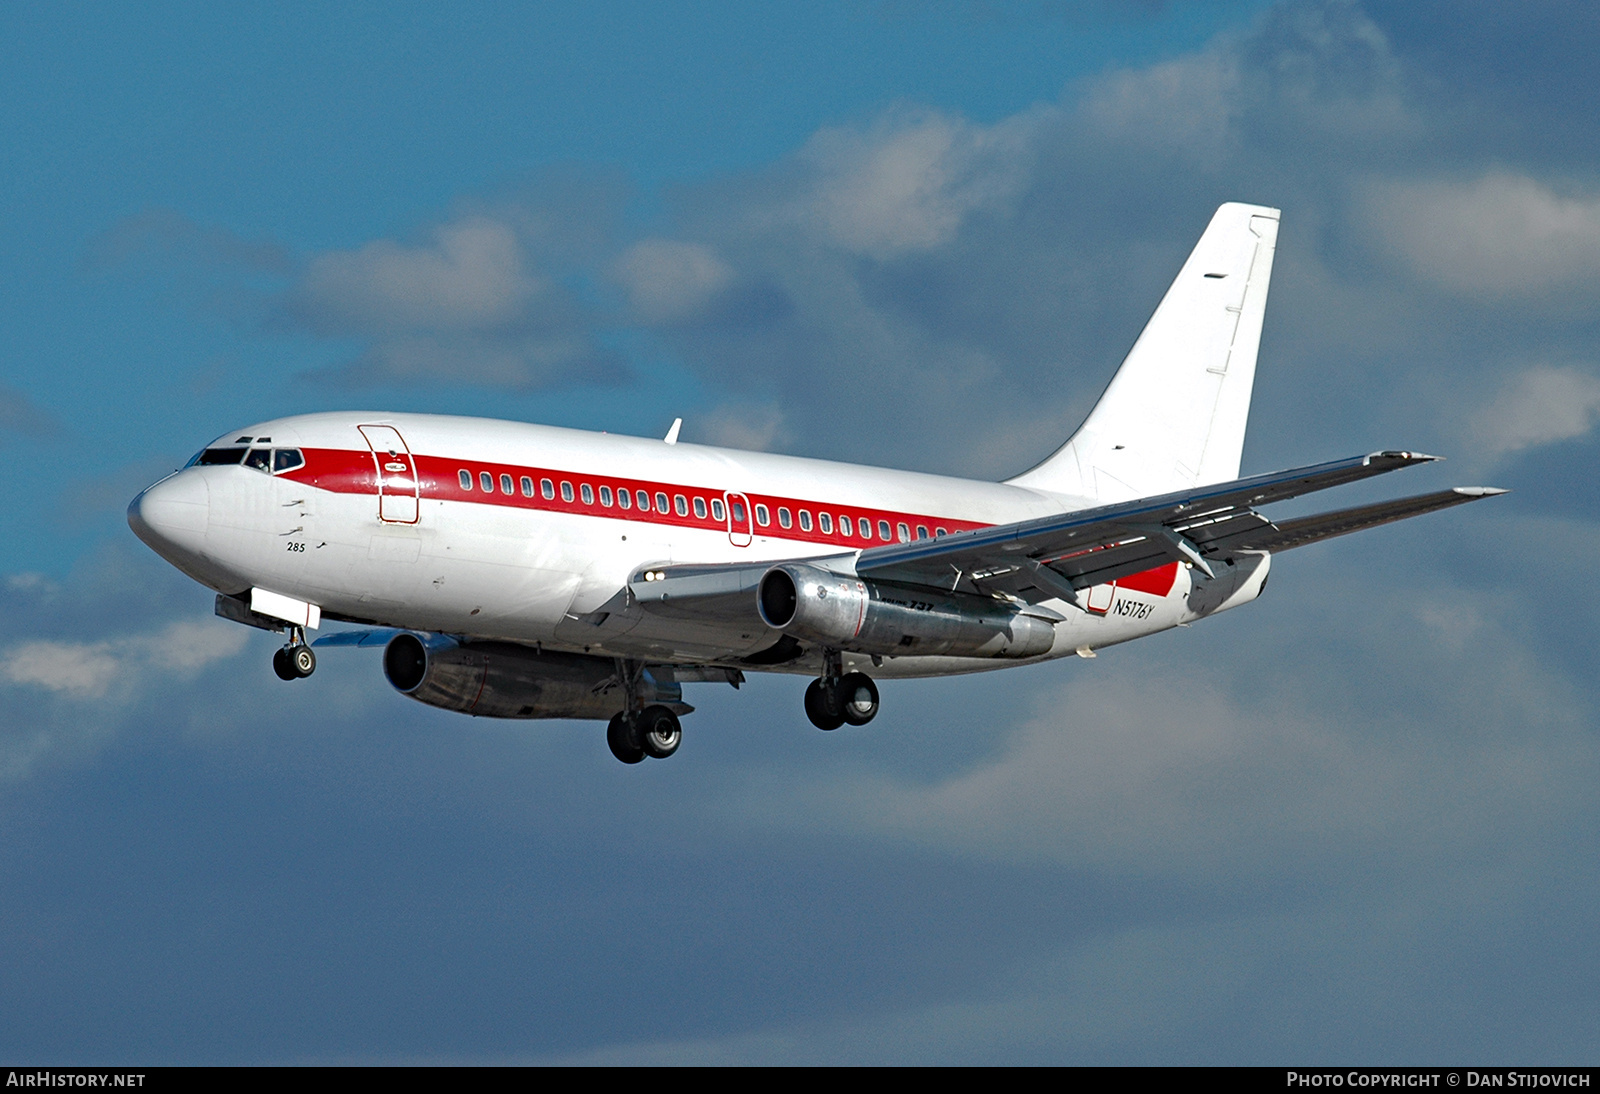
(849, 613)
(505, 680)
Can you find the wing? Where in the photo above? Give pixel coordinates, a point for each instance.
(1289, 534)
(1053, 557)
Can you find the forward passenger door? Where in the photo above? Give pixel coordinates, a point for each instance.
(398, 489)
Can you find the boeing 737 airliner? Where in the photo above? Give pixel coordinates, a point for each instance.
(523, 571)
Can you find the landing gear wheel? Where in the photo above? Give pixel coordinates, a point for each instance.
(822, 705)
(659, 732)
(303, 661)
(282, 665)
(623, 737)
(858, 698)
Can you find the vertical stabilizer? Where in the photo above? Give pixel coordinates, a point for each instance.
(1174, 415)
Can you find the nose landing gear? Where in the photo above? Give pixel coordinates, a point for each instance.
(836, 697)
(294, 661)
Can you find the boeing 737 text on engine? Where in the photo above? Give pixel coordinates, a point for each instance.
(523, 571)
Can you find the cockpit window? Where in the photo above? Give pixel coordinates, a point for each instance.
(219, 456)
(287, 459)
(259, 458)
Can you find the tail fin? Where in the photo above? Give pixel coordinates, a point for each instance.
(1175, 412)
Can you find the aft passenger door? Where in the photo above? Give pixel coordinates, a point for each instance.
(397, 474)
(739, 527)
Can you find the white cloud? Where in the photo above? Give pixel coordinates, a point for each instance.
(89, 670)
(78, 668)
(467, 307)
(1544, 405)
(471, 276)
(1316, 77)
(527, 361)
(908, 183)
(753, 428)
(1500, 235)
(1186, 104)
(670, 282)
(1177, 770)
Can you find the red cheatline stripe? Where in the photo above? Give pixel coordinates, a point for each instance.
(347, 471)
(350, 471)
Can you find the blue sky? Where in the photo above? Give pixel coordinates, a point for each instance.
(1353, 822)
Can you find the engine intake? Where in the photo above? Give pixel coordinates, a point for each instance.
(861, 616)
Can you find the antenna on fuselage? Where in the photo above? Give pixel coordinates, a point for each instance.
(672, 434)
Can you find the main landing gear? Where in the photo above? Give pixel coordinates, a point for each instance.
(654, 731)
(837, 697)
(294, 661)
(633, 733)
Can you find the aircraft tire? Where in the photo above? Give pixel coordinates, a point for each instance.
(622, 735)
(822, 705)
(303, 661)
(858, 698)
(282, 665)
(660, 732)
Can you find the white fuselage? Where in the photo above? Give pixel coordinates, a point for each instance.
(388, 521)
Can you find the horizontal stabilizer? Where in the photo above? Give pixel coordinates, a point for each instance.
(1304, 530)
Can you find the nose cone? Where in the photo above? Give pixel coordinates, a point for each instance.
(172, 516)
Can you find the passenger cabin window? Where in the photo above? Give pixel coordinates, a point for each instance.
(547, 488)
(680, 505)
(846, 526)
(624, 499)
(922, 531)
(605, 496)
(700, 508)
(826, 523)
(505, 484)
(761, 515)
(644, 501)
(940, 532)
(883, 531)
(661, 503)
(486, 481)
(527, 487)
(805, 520)
(586, 492)
(566, 491)
(466, 479)
(717, 510)
(905, 533)
(784, 520)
